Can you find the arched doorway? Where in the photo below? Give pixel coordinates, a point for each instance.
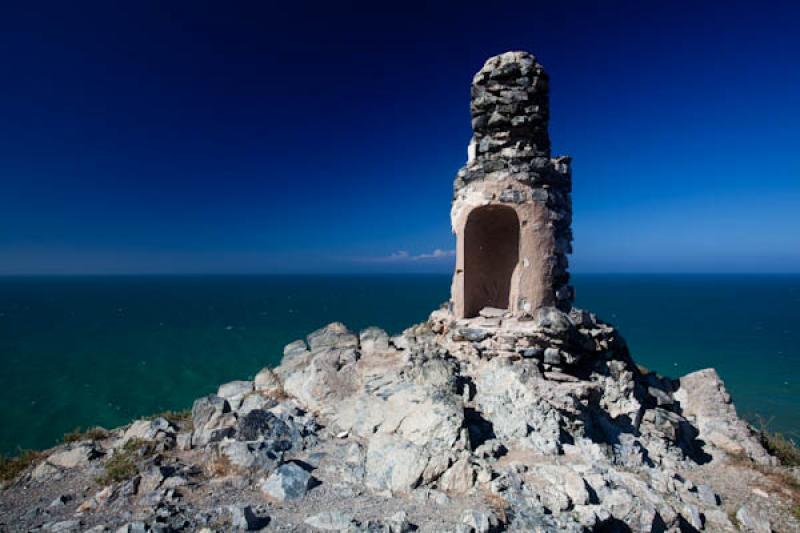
(491, 252)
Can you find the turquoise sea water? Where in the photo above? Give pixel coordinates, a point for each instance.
(102, 350)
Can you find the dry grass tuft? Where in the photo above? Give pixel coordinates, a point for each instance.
(11, 467)
(182, 418)
(220, 466)
(93, 434)
(778, 445)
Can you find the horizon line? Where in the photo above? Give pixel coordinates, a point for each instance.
(384, 273)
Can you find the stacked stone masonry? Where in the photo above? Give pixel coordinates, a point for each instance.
(512, 210)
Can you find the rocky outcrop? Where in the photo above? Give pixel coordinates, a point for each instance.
(484, 424)
(549, 416)
(529, 415)
(705, 401)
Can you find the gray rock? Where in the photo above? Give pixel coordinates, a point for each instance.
(295, 348)
(493, 312)
(60, 501)
(401, 342)
(473, 334)
(705, 402)
(559, 487)
(707, 495)
(183, 441)
(133, 527)
(394, 465)
(74, 456)
(717, 520)
(149, 430)
(208, 407)
(235, 391)
(44, 471)
(552, 356)
(480, 521)
(334, 335)
(212, 420)
(263, 425)
(244, 518)
(374, 341)
(553, 320)
(662, 398)
(254, 401)
(324, 377)
(752, 521)
(459, 478)
(63, 526)
(287, 483)
(241, 454)
(330, 521)
(398, 523)
(266, 382)
(692, 515)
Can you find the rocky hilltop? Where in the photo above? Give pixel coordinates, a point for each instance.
(486, 424)
(508, 409)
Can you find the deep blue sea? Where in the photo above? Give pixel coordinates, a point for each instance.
(84, 351)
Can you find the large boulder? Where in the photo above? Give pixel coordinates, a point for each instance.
(329, 377)
(513, 398)
(374, 341)
(394, 465)
(287, 483)
(262, 425)
(212, 420)
(235, 391)
(419, 414)
(74, 456)
(704, 401)
(149, 430)
(333, 335)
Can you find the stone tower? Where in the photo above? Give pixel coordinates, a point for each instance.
(512, 209)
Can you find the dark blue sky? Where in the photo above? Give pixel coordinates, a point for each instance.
(266, 137)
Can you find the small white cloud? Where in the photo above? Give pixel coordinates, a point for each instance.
(402, 256)
(436, 254)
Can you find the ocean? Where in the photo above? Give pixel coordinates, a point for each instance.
(86, 351)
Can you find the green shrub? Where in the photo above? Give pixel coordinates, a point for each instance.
(123, 464)
(120, 467)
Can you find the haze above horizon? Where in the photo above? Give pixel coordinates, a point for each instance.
(324, 138)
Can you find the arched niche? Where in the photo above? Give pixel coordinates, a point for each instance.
(491, 253)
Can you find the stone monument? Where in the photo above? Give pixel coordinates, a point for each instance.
(512, 210)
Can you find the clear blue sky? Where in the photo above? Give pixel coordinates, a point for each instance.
(266, 137)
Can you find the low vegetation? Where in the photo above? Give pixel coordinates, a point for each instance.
(77, 435)
(123, 465)
(11, 467)
(182, 418)
(778, 445)
(784, 448)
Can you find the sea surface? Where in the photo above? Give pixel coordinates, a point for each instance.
(85, 351)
